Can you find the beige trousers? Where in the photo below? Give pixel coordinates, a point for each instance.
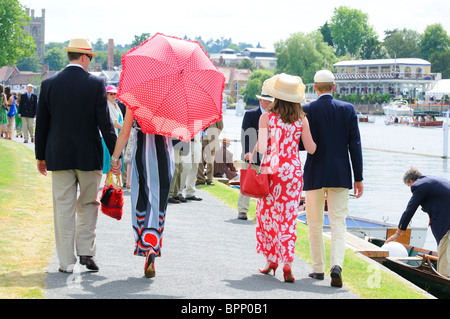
(75, 217)
(337, 201)
(443, 251)
(27, 127)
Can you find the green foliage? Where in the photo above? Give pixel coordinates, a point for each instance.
(402, 43)
(434, 39)
(440, 63)
(15, 43)
(303, 55)
(350, 29)
(254, 86)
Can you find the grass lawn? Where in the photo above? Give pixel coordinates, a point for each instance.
(363, 278)
(26, 219)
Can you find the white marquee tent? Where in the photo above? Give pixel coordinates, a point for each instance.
(440, 89)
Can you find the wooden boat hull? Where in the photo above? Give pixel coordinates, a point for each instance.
(422, 275)
(419, 268)
(428, 124)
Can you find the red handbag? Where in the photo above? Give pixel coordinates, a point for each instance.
(252, 183)
(112, 198)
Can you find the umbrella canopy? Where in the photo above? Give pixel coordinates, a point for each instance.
(171, 86)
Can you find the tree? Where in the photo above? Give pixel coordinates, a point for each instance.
(254, 86)
(326, 32)
(138, 39)
(55, 58)
(303, 55)
(350, 30)
(15, 43)
(440, 63)
(246, 64)
(402, 43)
(434, 39)
(30, 63)
(372, 49)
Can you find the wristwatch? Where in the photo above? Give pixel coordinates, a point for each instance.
(114, 159)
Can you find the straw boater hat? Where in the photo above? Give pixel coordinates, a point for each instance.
(285, 87)
(81, 46)
(264, 96)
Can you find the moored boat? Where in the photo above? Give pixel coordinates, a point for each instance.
(426, 119)
(398, 108)
(419, 267)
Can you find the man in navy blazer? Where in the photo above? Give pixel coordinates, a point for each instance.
(433, 194)
(27, 112)
(72, 108)
(328, 173)
(249, 137)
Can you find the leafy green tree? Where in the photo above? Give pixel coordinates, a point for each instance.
(15, 43)
(350, 30)
(372, 49)
(138, 39)
(30, 63)
(440, 63)
(303, 55)
(326, 32)
(246, 64)
(254, 86)
(402, 43)
(56, 59)
(434, 39)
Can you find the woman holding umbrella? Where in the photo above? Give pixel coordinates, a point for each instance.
(151, 175)
(172, 90)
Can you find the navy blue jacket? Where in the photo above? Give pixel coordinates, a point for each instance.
(433, 194)
(249, 134)
(72, 108)
(334, 128)
(28, 106)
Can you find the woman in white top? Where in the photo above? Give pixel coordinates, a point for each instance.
(117, 119)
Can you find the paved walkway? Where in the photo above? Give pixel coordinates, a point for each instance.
(207, 254)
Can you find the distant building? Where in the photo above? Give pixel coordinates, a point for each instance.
(37, 30)
(398, 77)
(261, 58)
(235, 80)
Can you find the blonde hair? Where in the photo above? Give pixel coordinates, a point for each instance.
(289, 112)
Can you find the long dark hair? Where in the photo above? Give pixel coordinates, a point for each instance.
(289, 112)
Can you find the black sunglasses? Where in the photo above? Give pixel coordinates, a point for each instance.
(89, 56)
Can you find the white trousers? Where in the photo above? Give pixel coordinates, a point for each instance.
(190, 168)
(337, 201)
(443, 251)
(75, 218)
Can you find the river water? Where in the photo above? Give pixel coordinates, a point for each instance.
(388, 151)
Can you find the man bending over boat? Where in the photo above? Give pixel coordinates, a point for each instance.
(433, 194)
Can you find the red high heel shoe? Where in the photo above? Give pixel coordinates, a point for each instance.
(149, 268)
(287, 272)
(272, 266)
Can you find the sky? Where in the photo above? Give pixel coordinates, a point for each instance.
(249, 21)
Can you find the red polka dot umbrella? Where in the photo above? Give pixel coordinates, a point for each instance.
(171, 86)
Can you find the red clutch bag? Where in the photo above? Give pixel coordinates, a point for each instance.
(254, 184)
(112, 198)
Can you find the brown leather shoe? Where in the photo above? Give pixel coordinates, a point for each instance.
(89, 262)
(317, 275)
(336, 276)
(173, 200)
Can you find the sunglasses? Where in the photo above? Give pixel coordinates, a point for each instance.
(89, 56)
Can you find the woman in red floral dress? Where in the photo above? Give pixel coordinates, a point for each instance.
(280, 131)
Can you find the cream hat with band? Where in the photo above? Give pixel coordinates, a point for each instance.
(285, 87)
(80, 46)
(324, 76)
(265, 96)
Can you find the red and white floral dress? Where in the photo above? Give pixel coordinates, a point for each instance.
(276, 231)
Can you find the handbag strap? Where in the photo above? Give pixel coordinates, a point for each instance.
(109, 179)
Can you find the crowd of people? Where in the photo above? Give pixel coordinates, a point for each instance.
(160, 169)
(18, 113)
